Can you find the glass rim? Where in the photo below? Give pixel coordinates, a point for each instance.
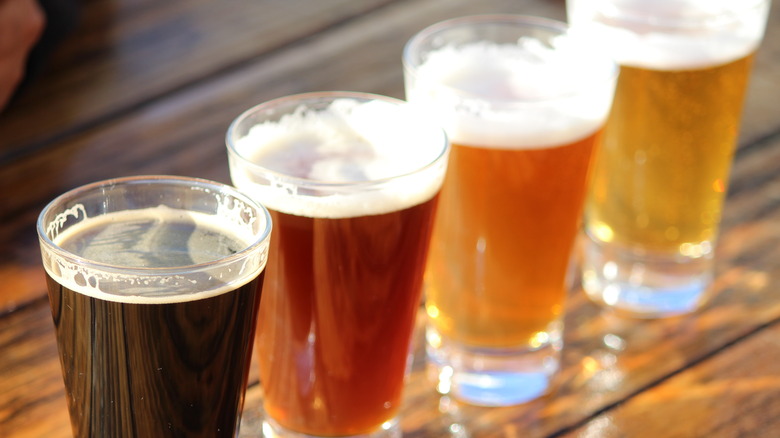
(525, 20)
(721, 18)
(250, 248)
(411, 66)
(309, 183)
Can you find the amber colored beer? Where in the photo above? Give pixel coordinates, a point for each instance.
(338, 314)
(523, 132)
(352, 183)
(523, 102)
(502, 241)
(663, 170)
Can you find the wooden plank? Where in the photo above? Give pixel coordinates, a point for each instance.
(32, 395)
(733, 394)
(762, 113)
(127, 53)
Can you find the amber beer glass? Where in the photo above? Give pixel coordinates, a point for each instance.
(352, 182)
(654, 207)
(154, 284)
(523, 103)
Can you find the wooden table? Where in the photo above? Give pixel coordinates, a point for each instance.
(149, 87)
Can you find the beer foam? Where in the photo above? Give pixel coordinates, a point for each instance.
(518, 96)
(672, 34)
(351, 159)
(150, 256)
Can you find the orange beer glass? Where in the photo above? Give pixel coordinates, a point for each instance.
(523, 103)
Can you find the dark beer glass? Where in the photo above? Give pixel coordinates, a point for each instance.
(352, 183)
(154, 284)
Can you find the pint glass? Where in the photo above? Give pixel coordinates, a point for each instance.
(352, 183)
(523, 104)
(154, 285)
(654, 206)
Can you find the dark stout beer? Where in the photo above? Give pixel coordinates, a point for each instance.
(154, 370)
(154, 310)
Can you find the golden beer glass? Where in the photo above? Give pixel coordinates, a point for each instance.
(654, 206)
(352, 183)
(523, 103)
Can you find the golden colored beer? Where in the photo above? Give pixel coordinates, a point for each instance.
(504, 233)
(660, 179)
(661, 176)
(654, 207)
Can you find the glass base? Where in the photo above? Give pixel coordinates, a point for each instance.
(389, 429)
(645, 285)
(492, 377)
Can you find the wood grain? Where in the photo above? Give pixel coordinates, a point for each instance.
(150, 87)
(732, 394)
(128, 54)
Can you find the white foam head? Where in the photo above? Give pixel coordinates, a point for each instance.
(524, 94)
(188, 239)
(127, 256)
(671, 34)
(352, 158)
